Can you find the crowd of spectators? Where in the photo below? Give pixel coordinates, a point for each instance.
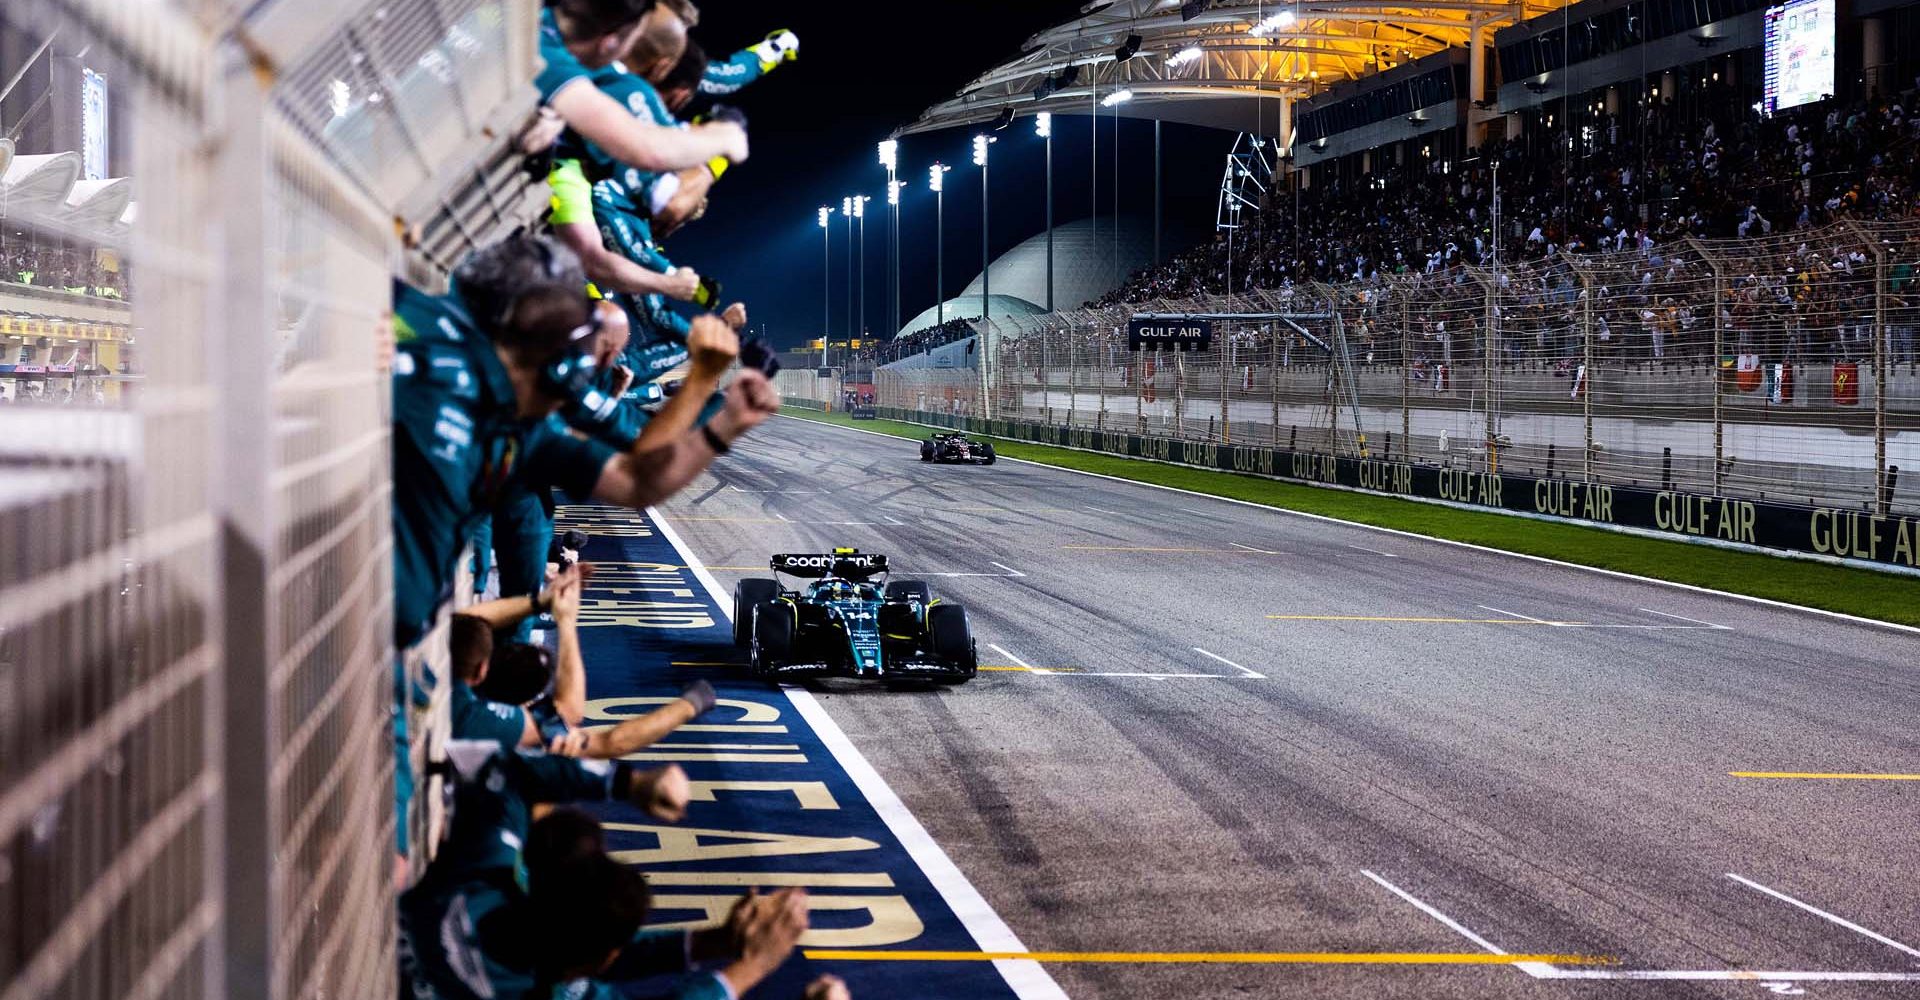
(921, 341)
(1595, 232)
(70, 270)
(510, 386)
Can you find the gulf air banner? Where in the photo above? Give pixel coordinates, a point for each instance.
(1847, 533)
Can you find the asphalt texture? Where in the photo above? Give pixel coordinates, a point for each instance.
(1542, 759)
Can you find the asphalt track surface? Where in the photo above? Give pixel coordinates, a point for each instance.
(1253, 732)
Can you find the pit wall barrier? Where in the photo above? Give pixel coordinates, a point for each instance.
(1850, 535)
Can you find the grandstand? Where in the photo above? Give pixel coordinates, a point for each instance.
(1594, 217)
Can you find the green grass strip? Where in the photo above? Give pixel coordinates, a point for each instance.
(1867, 593)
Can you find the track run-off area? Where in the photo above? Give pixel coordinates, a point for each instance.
(1221, 750)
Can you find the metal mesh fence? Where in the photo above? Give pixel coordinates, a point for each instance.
(196, 667)
(109, 614)
(1782, 368)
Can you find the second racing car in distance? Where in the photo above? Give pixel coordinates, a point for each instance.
(845, 623)
(953, 446)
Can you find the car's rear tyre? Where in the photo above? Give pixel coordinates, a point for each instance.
(952, 640)
(986, 449)
(909, 590)
(772, 637)
(926, 451)
(747, 595)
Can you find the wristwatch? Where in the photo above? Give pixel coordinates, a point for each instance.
(713, 440)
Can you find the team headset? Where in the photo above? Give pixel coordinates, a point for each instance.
(569, 374)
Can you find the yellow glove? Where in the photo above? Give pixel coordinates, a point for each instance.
(780, 46)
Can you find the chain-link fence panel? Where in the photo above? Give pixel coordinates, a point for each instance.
(110, 620)
(1781, 367)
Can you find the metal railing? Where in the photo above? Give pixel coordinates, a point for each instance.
(1783, 368)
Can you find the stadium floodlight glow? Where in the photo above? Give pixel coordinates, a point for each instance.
(1183, 57)
(980, 150)
(846, 207)
(826, 214)
(893, 191)
(1116, 98)
(1043, 124)
(936, 175)
(860, 206)
(1273, 23)
(889, 153)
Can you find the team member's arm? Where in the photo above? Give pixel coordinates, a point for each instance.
(569, 668)
(750, 64)
(637, 734)
(611, 126)
(711, 348)
(688, 202)
(613, 272)
(641, 479)
(507, 612)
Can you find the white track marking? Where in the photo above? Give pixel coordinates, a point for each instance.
(1748, 598)
(1004, 651)
(1829, 917)
(1451, 924)
(1243, 670)
(782, 517)
(891, 520)
(1538, 970)
(1376, 552)
(1028, 980)
(1684, 618)
(1101, 510)
(1190, 510)
(1515, 614)
(1738, 975)
(1010, 570)
(1249, 548)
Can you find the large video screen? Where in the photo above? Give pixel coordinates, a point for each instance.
(1800, 53)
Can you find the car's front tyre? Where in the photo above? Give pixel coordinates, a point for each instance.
(951, 637)
(747, 595)
(772, 637)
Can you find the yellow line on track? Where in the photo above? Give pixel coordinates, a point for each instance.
(1428, 621)
(1136, 548)
(1824, 776)
(1205, 957)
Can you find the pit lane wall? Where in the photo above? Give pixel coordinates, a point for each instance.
(1852, 535)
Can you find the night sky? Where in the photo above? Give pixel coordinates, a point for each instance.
(866, 68)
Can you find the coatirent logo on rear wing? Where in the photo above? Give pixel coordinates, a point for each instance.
(854, 565)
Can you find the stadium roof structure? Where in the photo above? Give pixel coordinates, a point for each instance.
(1251, 57)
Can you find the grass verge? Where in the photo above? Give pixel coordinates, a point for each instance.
(1866, 593)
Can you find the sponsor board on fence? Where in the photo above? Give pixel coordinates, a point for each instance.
(1847, 533)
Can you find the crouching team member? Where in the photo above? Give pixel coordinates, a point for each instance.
(512, 910)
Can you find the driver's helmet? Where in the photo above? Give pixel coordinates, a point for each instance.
(838, 590)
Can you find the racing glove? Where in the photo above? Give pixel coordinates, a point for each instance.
(780, 46)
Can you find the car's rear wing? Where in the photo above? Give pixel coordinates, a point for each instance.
(850, 565)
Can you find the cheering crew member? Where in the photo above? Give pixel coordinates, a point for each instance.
(478, 376)
(577, 36)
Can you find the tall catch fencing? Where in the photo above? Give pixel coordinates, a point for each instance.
(1781, 368)
(197, 672)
